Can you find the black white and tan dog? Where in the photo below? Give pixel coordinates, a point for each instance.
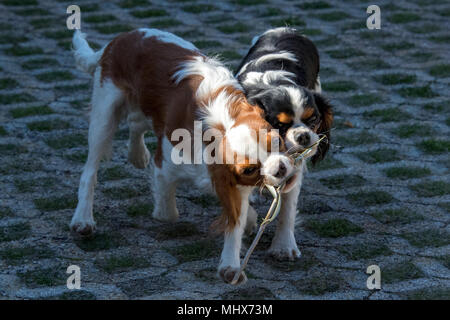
(280, 74)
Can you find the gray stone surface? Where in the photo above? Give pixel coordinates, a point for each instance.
(381, 196)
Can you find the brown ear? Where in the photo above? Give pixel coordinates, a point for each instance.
(326, 117)
(225, 184)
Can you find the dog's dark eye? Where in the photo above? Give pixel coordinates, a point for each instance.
(249, 171)
(313, 122)
(312, 119)
(281, 125)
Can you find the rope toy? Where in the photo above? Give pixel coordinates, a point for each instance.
(274, 209)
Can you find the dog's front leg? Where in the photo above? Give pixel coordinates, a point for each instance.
(283, 244)
(230, 261)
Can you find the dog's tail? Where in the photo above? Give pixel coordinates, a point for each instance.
(86, 59)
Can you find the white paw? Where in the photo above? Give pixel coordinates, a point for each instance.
(285, 253)
(84, 227)
(286, 248)
(165, 215)
(227, 274)
(139, 157)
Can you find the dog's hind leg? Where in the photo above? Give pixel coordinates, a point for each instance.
(164, 185)
(138, 154)
(104, 118)
(252, 218)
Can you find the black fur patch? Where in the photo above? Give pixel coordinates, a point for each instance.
(272, 96)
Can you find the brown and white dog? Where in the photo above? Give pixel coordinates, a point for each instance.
(161, 82)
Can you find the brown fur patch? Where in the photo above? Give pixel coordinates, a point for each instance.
(142, 68)
(307, 113)
(225, 185)
(284, 117)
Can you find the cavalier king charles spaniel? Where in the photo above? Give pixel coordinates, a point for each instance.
(280, 74)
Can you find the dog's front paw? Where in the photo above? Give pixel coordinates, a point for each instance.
(83, 227)
(227, 274)
(284, 246)
(285, 253)
(166, 214)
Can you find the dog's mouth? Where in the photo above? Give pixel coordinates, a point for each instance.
(289, 184)
(297, 149)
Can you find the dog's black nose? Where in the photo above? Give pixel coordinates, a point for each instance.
(281, 171)
(303, 139)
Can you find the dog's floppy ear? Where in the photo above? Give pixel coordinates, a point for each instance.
(225, 185)
(257, 101)
(255, 95)
(326, 117)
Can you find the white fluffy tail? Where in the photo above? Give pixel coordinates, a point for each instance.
(86, 59)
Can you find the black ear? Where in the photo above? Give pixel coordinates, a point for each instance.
(326, 117)
(256, 96)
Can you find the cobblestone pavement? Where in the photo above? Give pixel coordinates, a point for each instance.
(381, 196)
